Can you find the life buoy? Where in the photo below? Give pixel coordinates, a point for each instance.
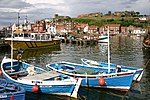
(19, 57)
(32, 37)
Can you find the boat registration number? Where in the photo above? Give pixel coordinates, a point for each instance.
(37, 82)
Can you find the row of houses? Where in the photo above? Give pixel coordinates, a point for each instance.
(72, 27)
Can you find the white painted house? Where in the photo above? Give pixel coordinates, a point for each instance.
(52, 29)
(143, 18)
(139, 31)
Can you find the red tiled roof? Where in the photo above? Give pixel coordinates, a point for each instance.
(113, 25)
(123, 26)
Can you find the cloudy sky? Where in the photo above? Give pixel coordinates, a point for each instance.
(40, 9)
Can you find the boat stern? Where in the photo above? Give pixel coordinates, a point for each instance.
(75, 91)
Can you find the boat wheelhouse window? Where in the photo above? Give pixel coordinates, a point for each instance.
(26, 35)
(52, 36)
(9, 35)
(42, 37)
(48, 36)
(38, 37)
(21, 35)
(15, 35)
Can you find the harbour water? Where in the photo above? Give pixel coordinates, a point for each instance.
(124, 51)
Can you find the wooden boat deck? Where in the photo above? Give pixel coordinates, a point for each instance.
(40, 76)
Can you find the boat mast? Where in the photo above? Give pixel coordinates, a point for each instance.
(108, 50)
(12, 49)
(18, 18)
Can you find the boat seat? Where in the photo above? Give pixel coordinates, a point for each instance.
(13, 67)
(40, 76)
(10, 71)
(24, 72)
(69, 66)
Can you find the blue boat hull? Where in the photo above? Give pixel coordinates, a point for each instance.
(51, 89)
(14, 96)
(118, 83)
(138, 71)
(65, 90)
(91, 76)
(47, 84)
(11, 91)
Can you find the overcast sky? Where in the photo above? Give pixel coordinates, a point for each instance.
(40, 9)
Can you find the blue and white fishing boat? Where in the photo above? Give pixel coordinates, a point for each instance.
(38, 80)
(11, 91)
(119, 68)
(95, 77)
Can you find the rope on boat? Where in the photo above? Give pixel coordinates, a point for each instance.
(135, 80)
(79, 97)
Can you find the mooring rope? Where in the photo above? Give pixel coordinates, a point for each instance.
(135, 80)
(79, 97)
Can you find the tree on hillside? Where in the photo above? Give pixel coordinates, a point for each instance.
(137, 13)
(109, 12)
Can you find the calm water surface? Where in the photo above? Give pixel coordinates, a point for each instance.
(124, 51)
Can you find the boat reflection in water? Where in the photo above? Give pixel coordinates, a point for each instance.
(27, 54)
(92, 94)
(146, 42)
(146, 53)
(103, 94)
(103, 47)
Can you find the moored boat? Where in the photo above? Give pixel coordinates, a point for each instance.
(95, 77)
(32, 40)
(103, 39)
(146, 41)
(120, 68)
(11, 91)
(37, 80)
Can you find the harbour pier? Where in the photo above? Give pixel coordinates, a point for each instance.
(79, 41)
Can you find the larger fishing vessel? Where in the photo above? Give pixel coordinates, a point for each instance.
(31, 40)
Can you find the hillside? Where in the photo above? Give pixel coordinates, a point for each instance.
(100, 21)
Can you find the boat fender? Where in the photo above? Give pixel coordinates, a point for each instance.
(1, 73)
(12, 97)
(101, 81)
(35, 88)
